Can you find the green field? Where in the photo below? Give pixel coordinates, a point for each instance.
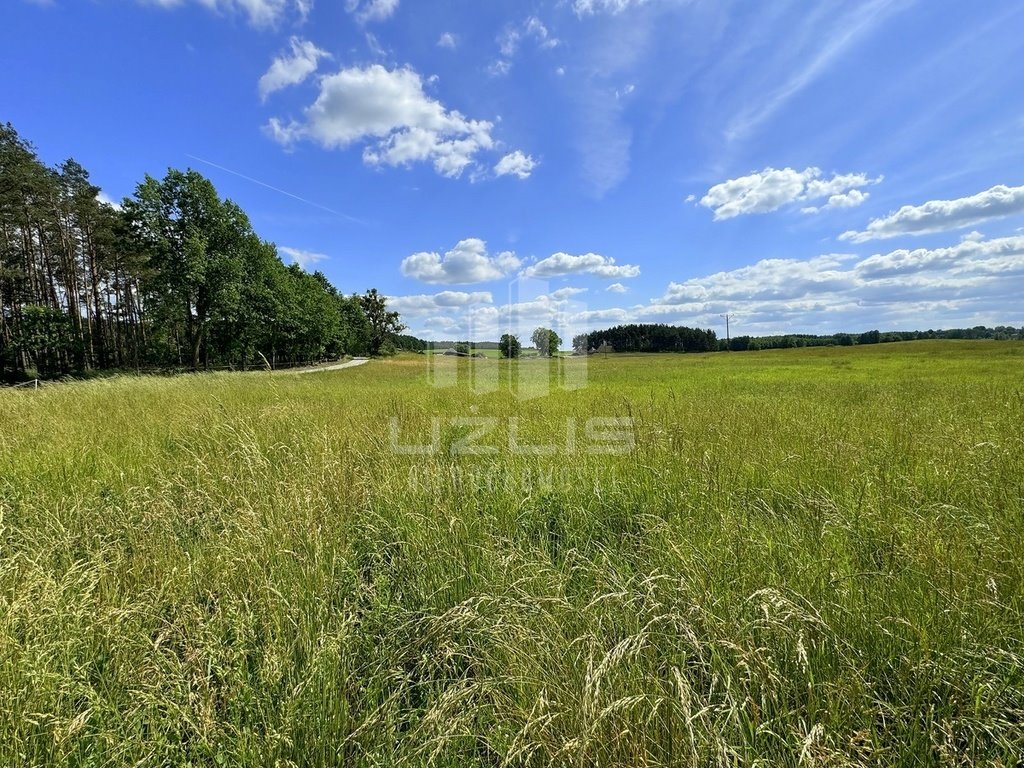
(808, 557)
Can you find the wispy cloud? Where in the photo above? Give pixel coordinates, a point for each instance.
(843, 34)
(367, 11)
(618, 55)
(512, 38)
(260, 13)
(591, 7)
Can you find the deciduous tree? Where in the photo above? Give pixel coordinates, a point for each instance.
(509, 346)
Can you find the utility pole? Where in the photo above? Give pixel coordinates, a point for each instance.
(727, 339)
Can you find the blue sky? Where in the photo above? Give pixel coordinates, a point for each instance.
(803, 166)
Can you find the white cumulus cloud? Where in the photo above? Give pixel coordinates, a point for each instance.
(972, 254)
(970, 283)
(421, 305)
(291, 68)
(591, 317)
(516, 164)
(468, 262)
(942, 215)
(588, 263)
(771, 189)
(850, 199)
(388, 111)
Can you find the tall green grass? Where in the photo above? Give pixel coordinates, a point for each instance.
(810, 557)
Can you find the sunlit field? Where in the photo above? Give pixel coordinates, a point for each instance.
(800, 557)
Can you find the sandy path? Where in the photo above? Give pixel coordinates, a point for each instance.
(350, 364)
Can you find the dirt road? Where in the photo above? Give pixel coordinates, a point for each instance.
(350, 364)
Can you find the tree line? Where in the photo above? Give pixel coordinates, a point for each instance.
(175, 277)
(669, 338)
(647, 338)
(790, 341)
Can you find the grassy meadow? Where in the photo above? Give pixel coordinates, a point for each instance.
(806, 557)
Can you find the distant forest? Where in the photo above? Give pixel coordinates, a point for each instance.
(741, 343)
(174, 278)
(670, 338)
